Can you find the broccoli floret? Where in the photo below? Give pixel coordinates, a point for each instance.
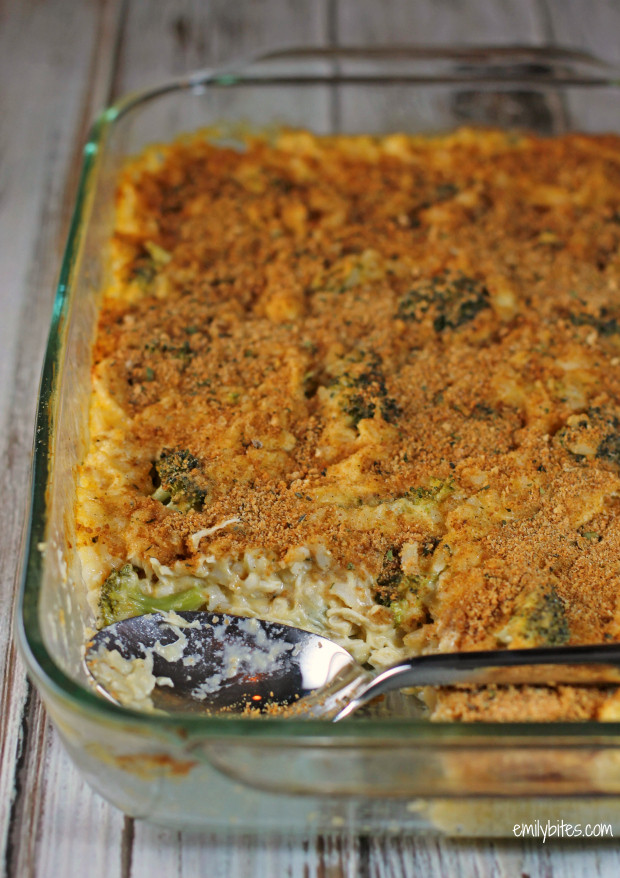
(362, 391)
(180, 482)
(389, 579)
(406, 596)
(593, 434)
(429, 545)
(359, 408)
(609, 446)
(451, 299)
(609, 449)
(547, 621)
(410, 610)
(147, 264)
(371, 394)
(122, 597)
(437, 491)
(605, 322)
(143, 271)
(539, 620)
(482, 412)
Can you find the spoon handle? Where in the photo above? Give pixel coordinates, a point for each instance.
(597, 664)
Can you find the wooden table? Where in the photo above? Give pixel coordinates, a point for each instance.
(61, 61)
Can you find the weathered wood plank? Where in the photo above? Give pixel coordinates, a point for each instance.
(161, 40)
(190, 854)
(437, 22)
(72, 824)
(388, 858)
(594, 31)
(427, 23)
(252, 26)
(52, 74)
(590, 26)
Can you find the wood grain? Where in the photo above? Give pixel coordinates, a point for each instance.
(48, 99)
(60, 62)
(593, 27)
(439, 22)
(217, 856)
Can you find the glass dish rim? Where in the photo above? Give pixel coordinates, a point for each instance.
(590, 72)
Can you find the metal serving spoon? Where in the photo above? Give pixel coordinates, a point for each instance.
(212, 662)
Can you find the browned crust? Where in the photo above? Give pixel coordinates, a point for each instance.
(298, 272)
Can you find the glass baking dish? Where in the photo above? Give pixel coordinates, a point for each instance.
(367, 775)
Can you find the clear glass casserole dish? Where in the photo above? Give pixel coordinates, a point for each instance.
(366, 775)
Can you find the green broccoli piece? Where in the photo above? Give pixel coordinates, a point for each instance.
(390, 578)
(609, 447)
(179, 481)
(406, 596)
(539, 620)
(451, 299)
(593, 434)
(605, 322)
(411, 609)
(143, 271)
(547, 621)
(147, 264)
(122, 597)
(371, 394)
(436, 491)
(359, 409)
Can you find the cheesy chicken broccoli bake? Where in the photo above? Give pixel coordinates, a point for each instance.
(368, 387)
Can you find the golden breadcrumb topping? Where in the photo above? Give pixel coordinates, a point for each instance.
(404, 350)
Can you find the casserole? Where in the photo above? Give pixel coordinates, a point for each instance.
(289, 775)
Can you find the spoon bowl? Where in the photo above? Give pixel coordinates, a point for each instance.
(199, 661)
